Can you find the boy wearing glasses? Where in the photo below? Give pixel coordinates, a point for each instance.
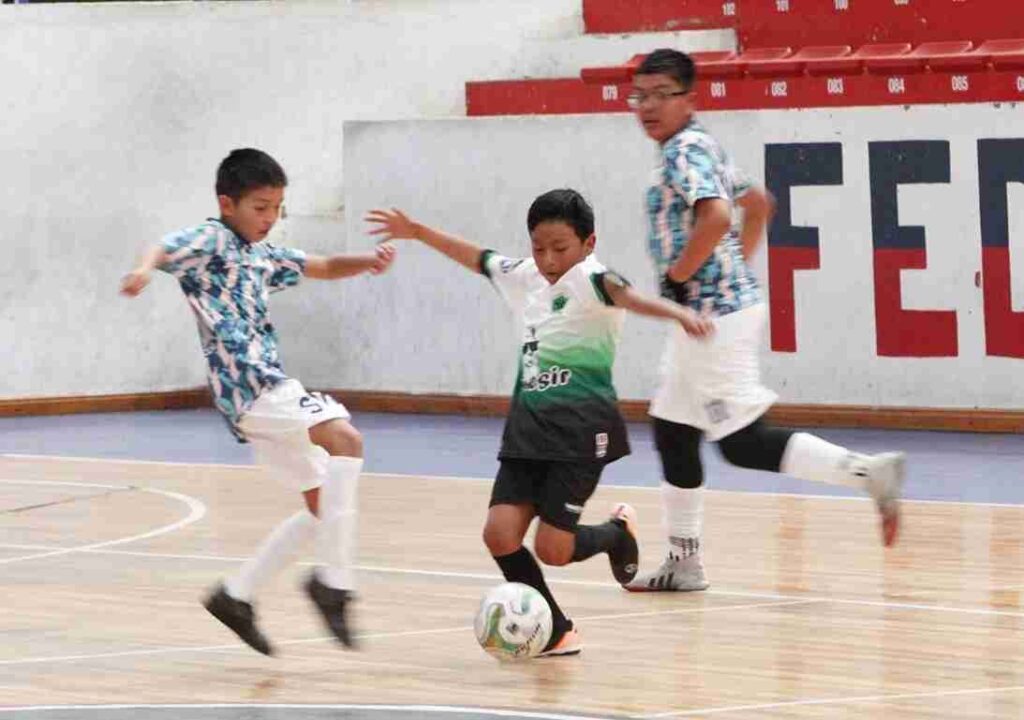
(713, 388)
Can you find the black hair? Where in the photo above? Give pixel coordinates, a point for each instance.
(677, 65)
(248, 169)
(563, 205)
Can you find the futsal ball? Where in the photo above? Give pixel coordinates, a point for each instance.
(513, 622)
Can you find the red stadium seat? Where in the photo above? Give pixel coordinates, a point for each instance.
(1003, 54)
(620, 74)
(612, 74)
(722, 67)
(761, 61)
(822, 60)
(854, 64)
(950, 56)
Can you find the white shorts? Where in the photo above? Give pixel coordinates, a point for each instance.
(715, 384)
(277, 424)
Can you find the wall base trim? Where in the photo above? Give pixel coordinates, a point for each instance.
(901, 418)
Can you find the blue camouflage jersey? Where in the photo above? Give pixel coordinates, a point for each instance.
(694, 167)
(227, 282)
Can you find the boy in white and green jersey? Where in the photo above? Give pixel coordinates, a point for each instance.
(564, 424)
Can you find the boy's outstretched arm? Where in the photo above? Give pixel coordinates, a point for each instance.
(335, 267)
(629, 299)
(136, 281)
(395, 225)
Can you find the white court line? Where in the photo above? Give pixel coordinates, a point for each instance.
(447, 709)
(853, 699)
(371, 636)
(196, 512)
(553, 578)
(460, 478)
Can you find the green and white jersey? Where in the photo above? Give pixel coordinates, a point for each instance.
(564, 405)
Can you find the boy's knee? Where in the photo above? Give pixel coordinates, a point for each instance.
(499, 541)
(551, 553)
(338, 438)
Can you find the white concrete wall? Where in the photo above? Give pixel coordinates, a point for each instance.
(113, 117)
(432, 327)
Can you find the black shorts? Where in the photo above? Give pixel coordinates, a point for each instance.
(558, 490)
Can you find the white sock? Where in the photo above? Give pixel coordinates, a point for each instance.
(808, 457)
(683, 515)
(336, 534)
(278, 550)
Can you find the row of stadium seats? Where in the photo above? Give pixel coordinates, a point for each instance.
(779, 78)
(802, 23)
(880, 58)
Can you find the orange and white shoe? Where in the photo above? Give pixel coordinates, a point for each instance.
(625, 556)
(568, 644)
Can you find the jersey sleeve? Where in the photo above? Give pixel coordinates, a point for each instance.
(599, 279)
(289, 264)
(696, 175)
(188, 249)
(507, 274)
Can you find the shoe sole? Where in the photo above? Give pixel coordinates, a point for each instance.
(695, 588)
(625, 514)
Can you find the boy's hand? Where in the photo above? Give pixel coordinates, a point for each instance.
(391, 225)
(134, 282)
(385, 255)
(696, 325)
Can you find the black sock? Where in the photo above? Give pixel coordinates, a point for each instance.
(594, 539)
(521, 567)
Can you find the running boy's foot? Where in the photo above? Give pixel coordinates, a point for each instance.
(566, 643)
(626, 553)
(885, 474)
(239, 617)
(676, 574)
(332, 604)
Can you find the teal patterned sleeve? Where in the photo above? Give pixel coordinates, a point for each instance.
(188, 249)
(289, 264)
(696, 174)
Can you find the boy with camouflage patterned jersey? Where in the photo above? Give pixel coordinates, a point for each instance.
(564, 425)
(227, 271)
(713, 390)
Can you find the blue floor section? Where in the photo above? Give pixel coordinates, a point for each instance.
(965, 467)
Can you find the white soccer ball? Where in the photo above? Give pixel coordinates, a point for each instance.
(513, 622)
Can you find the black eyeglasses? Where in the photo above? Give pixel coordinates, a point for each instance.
(635, 99)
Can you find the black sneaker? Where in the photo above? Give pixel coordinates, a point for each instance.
(625, 556)
(239, 617)
(332, 603)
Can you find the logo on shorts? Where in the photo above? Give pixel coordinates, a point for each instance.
(717, 411)
(601, 444)
(574, 509)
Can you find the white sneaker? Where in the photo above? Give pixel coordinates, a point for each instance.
(676, 574)
(884, 475)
